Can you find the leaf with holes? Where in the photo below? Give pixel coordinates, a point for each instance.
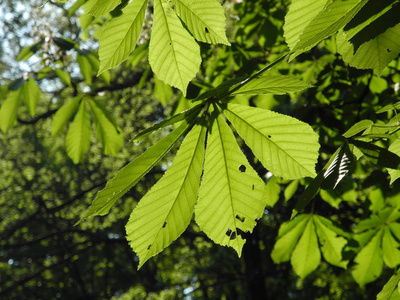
(166, 210)
(119, 36)
(284, 145)
(173, 55)
(231, 196)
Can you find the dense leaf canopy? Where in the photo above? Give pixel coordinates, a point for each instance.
(241, 149)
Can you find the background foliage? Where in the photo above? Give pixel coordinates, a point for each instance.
(73, 105)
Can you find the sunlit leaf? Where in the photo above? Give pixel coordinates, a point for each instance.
(272, 84)
(284, 145)
(273, 190)
(30, 94)
(369, 261)
(119, 36)
(173, 54)
(390, 290)
(357, 128)
(101, 7)
(390, 249)
(232, 195)
(128, 176)
(78, 136)
(8, 111)
(63, 115)
(204, 18)
(107, 130)
(394, 173)
(306, 255)
(166, 210)
(288, 236)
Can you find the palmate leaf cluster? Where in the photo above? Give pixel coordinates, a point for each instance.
(213, 178)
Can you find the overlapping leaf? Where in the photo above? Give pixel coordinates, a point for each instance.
(231, 196)
(372, 39)
(173, 55)
(128, 176)
(204, 18)
(107, 130)
(298, 239)
(284, 145)
(78, 136)
(119, 36)
(166, 210)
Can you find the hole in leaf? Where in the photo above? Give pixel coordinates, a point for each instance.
(233, 236)
(207, 30)
(148, 248)
(228, 232)
(242, 168)
(242, 233)
(269, 136)
(170, 43)
(388, 50)
(241, 219)
(252, 187)
(164, 225)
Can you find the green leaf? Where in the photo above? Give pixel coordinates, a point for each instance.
(299, 16)
(166, 210)
(333, 17)
(78, 136)
(272, 84)
(8, 111)
(30, 94)
(85, 67)
(288, 236)
(64, 76)
(338, 168)
(102, 7)
(284, 145)
(389, 107)
(173, 54)
(128, 176)
(390, 249)
(378, 155)
(357, 128)
(107, 130)
(390, 290)
(220, 90)
(394, 173)
(291, 189)
(63, 115)
(306, 256)
(205, 19)
(231, 196)
(372, 39)
(119, 36)
(64, 43)
(273, 190)
(27, 52)
(162, 91)
(172, 120)
(369, 261)
(331, 244)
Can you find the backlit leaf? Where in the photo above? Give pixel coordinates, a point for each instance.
(128, 176)
(107, 130)
(390, 249)
(394, 173)
(272, 84)
(166, 210)
(357, 128)
(390, 290)
(102, 7)
(63, 115)
(306, 256)
(204, 18)
(284, 145)
(173, 54)
(119, 36)
(30, 95)
(78, 136)
(8, 111)
(369, 261)
(232, 195)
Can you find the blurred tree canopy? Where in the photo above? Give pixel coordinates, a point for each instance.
(270, 127)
